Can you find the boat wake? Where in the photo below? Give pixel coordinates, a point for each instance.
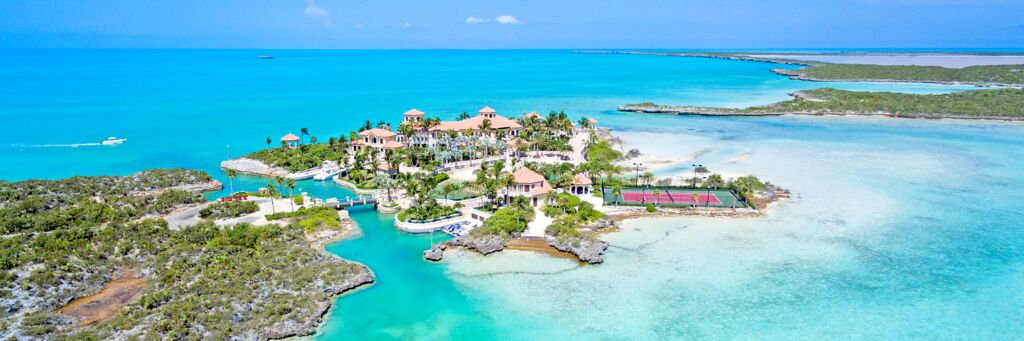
(64, 145)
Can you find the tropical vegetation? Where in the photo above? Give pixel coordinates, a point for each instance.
(65, 238)
(230, 209)
(507, 221)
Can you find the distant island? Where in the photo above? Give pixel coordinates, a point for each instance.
(999, 104)
(811, 70)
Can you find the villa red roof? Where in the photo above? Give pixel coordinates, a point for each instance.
(393, 144)
(581, 180)
(534, 115)
(290, 138)
(377, 132)
(527, 176)
(414, 112)
(591, 121)
(473, 123)
(487, 110)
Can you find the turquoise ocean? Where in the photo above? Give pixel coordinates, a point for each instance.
(898, 228)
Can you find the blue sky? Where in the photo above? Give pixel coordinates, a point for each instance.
(513, 24)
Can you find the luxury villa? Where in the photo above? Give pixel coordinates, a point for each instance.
(427, 134)
(377, 139)
(530, 184)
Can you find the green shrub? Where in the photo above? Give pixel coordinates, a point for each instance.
(230, 209)
(651, 208)
(297, 199)
(507, 221)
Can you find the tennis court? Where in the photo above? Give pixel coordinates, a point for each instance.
(674, 197)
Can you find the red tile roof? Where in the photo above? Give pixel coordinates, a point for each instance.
(473, 123)
(377, 132)
(581, 180)
(393, 144)
(527, 176)
(487, 110)
(290, 138)
(534, 115)
(414, 112)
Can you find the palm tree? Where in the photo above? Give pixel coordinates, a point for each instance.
(313, 140)
(583, 122)
(272, 191)
(278, 181)
(617, 193)
(269, 140)
(394, 159)
(366, 126)
(387, 182)
(448, 189)
(696, 197)
(231, 173)
(657, 193)
(303, 132)
(291, 186)
(463, 116)
(715, 180)
(407, 131)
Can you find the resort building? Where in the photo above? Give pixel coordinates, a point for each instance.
(497, 126)
(290, 140)
(530, 184)
(413, 116)
(581, 184)
(377, 139)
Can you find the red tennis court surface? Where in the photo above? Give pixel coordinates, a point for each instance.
(670, 198)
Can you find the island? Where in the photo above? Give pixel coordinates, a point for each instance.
(534, 182)
(809, 69)
(997, 104)
(94, 258)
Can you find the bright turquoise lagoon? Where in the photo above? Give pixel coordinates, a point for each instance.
(899, 229)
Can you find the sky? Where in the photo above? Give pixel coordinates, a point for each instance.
(375, 24)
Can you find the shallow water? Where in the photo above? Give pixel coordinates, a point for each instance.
(899, 228)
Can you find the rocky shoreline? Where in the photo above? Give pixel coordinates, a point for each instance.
(292, 328)
(586, 250)
(687, 110)
(253, 167)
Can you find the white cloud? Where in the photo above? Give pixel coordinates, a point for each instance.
(357, 26)
(317, 13)
(475, 20)
(507, 20)
(404, 24)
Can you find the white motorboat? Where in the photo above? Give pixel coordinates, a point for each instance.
(327, 173)
(113, 141)
(304, 175)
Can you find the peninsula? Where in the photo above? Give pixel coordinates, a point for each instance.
(93, 258)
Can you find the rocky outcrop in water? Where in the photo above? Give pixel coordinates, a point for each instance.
(483, 244)
(587, 250)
